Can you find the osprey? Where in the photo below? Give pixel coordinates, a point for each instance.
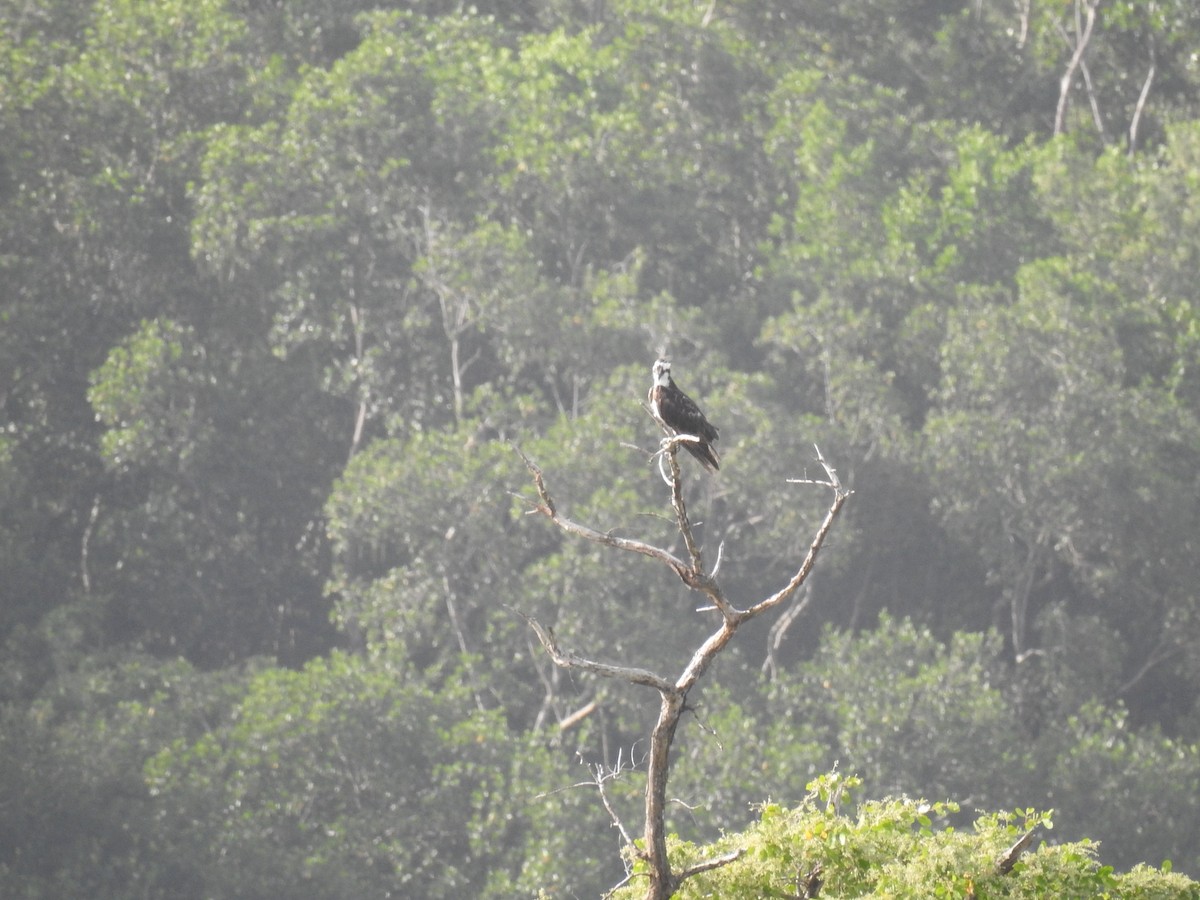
(680, 414)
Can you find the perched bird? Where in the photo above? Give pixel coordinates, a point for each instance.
(678, 412)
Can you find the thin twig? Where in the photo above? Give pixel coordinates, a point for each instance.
(717, 565)
(601, 777)
(840, 494)
(456, 625)
(780, 628)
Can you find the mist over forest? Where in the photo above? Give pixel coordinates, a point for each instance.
(283, 284)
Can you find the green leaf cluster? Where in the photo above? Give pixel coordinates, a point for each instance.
(903, 848)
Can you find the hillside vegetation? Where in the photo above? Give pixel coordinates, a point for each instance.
(282, 284)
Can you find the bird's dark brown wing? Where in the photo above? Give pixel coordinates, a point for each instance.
(681, 413)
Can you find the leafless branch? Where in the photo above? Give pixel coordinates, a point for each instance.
(779, 630)
(1141, 102)
(452, 612)
(1093, 103)
(1021, 592)
(706, 728)
(668, 453)
(709, 864)
(458, 310)
(360, 415)
(570, 661)
(85, 540)
(578, 716)
(830, 481)
(601, 775)
(549, 680)
(546, 507)
(840, 495)
(1083, 33)
(1165, 650)
(717, 565)
(1023, 9)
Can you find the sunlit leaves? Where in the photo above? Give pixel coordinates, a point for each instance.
(901, 848)
(146, 394)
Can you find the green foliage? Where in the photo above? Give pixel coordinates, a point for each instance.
(909, 714)
(902, 848)
(137, 392)
(192, 447)
(338, 779)
(82, 820)
(1142, 776)
(898, 708)
(280, 283)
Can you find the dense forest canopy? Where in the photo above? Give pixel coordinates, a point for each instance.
(281, 282)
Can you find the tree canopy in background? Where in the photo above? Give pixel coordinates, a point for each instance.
(280, 283)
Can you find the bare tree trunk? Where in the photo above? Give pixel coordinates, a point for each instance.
(1083, 33)
(662, 882)
(1141, 102)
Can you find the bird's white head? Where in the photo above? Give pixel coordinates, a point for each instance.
(662, 372)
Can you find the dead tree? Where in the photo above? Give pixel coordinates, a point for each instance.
(673, 693)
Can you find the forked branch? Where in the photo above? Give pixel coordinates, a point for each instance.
(662, 881)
